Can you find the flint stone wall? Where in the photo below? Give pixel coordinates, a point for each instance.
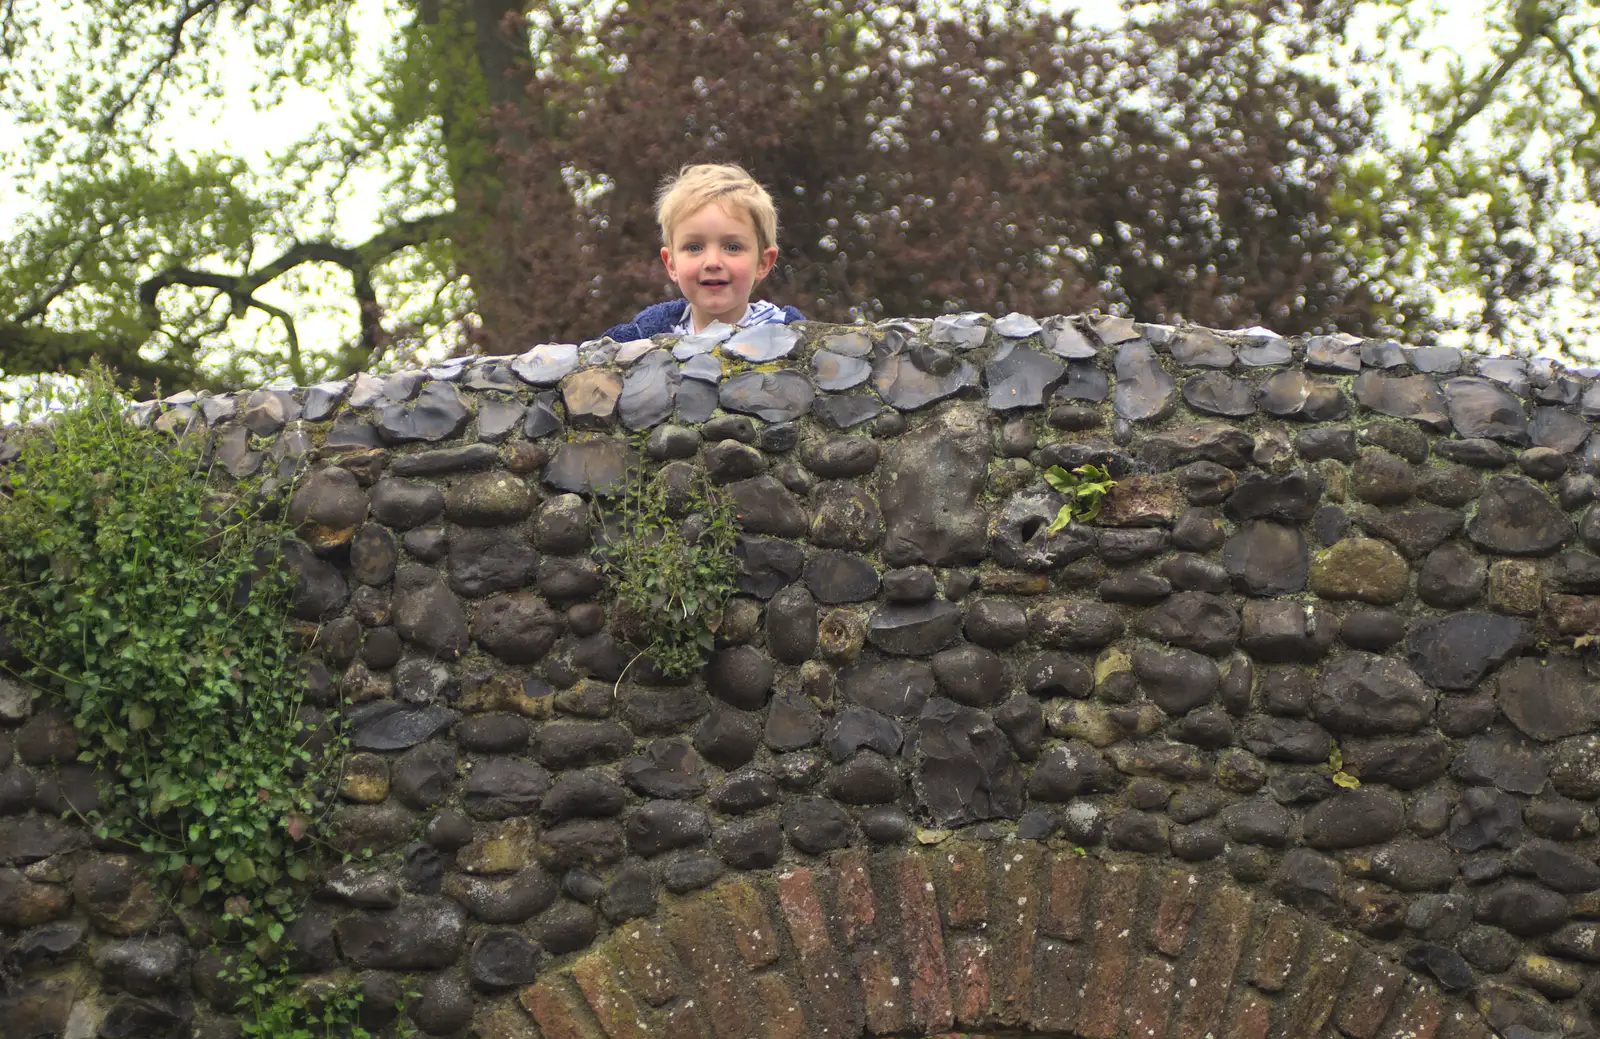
(1319, 553)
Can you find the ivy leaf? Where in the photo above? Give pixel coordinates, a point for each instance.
(1346, 780)
(240, 870)
(141, 717)
(297, 825)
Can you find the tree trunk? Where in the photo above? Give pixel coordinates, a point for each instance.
(479, 63)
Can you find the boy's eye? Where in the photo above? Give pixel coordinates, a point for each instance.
(733, 247)
(693, 247)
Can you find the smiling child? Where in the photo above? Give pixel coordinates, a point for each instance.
(719, 239)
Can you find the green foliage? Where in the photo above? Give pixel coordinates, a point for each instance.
(1084, 487)
(147, 602)
(1341, 778)
(672, 558)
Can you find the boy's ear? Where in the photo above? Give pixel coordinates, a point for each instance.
(666, 261)
(769, 256)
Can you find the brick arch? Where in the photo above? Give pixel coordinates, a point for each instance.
(996, 937)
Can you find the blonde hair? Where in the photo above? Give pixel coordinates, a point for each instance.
(695, 187)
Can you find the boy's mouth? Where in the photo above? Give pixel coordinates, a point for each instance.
(713, 284)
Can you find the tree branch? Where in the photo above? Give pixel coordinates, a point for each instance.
(1591, 100)
(31, 350)
(174, 45)
(1531, 22)
(358, 260)
(64, 284)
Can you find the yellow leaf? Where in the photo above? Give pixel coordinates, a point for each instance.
(1345, 780)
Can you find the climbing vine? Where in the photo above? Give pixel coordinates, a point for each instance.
(145, 600)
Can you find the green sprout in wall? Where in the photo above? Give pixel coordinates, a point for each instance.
(672, 555)
(1085, 488)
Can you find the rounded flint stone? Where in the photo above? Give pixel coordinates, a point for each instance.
(771, 396)
(835, 372)
(547, 364)
(437, 414)
(1216, 393)
(1021, 378)
(762, 343)
(914, 630)
(1456, 652)
(1515, 517)
(1144, 392)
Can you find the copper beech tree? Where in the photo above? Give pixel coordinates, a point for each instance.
(1179, 167)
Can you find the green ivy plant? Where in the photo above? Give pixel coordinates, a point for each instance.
(144, 597)
(1085, 488)
(674, 567)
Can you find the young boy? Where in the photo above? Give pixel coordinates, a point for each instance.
(719, 238)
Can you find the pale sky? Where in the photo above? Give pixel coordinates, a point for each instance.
(232, 124)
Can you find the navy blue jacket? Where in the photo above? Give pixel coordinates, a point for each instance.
(660, 317)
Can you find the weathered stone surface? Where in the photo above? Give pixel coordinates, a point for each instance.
(504, 788)
(1414, 530)
(1293, 394)
(1266, 558)
(1414, 397)
(1516, 518)
(428, 934)
(1177, 681)
(403, 504)
(1073, 624)
(781, 396)
(1286, 632)
(1484, 818)
(967, 770)
(597, 466)
(1364, 569)
(1289, 499)
(1481, 408)
(971, 675)
(1405, 764)
(1194, 620)
(740, 676)
(668, 769)
(1354, 818)
(1216, 442)
(1362, 694)
(765, 506)
(1522, 909)
(1021, 378)
(1216, 393)
(387, 725)
(1144, 392)
(489, 499)
(845, 517)
(898, 688)
(438, 413)
(1458, 651)
(519, 628)
(929, 494)
(1451, 577)
(1549, 698)
(1020, 538)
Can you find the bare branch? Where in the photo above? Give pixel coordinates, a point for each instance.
(64, 284)
(240, 289)
(1591, 100)
(1531, 22)
(174, 47)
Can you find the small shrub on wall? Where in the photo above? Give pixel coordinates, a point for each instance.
(144, 600)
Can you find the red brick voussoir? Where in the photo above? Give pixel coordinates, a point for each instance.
(997, 936)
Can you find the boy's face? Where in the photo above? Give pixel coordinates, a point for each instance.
(715, 263)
